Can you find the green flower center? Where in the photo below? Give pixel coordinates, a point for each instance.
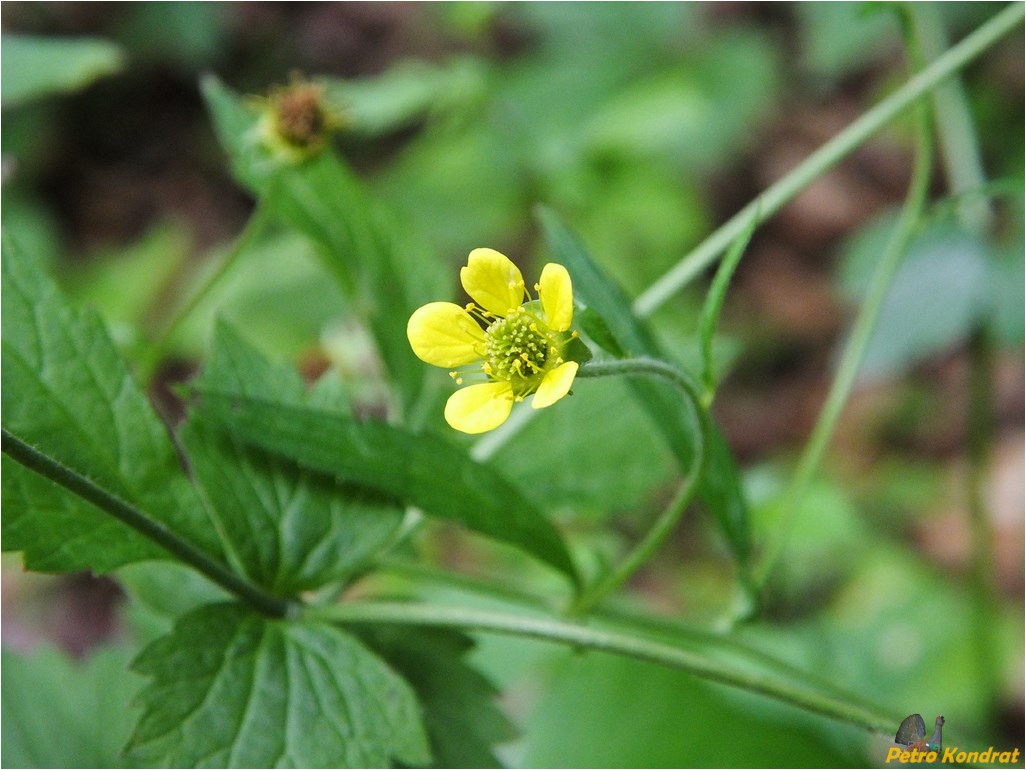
(517, 349)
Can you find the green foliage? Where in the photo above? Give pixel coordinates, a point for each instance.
(720, 484)
(290, 529)
(461, 718)
(58, 713)
(233, 689)
(949, 283)
(35, 67)
(386, 275)
(76, 401)
(431, 474)
(644, 716)
(263, 535)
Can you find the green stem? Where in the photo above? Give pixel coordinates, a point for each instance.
(639, 648)
(667, 520)
(625, 620)
(862, 330)
(650, 367)
(146, 525)
(959, 147)
(831, 153)
(644, 548)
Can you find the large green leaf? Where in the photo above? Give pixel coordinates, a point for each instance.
(605, 711)
(386, 274)
(233, 689)
(417, 469)
(35, 66)
(720, 485)
(290, 528)
(460, 714)
(68, 393)
(59, 713)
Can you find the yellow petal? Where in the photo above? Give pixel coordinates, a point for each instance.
(444, 334)
(555, 385)
(492, 281)
(557, 296)
(479, 408)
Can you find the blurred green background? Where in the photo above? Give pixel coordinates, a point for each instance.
(644, 126)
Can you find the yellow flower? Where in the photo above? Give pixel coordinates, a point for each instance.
(517, 343)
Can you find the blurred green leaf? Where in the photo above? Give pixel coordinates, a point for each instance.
(941, 291)
(386, 275)
(124, 284)
(276, 293)
(841, 38)
(697, 113)
(720, 485)
(160, 592)
(291, 529)
(233, 689)
(592, 455)
(602, 711)
(460, 713)
(402, 95)
(70, 395)
(59, 713)
(33, 67)
(190, 36)
(906, 633)
(417, 469)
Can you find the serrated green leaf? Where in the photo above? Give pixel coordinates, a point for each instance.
(417, 469)
(460, 714)
(36, 66)
(290, 529)
(386, 275)
(61, 532)
(720, 486)
(233, 689)
(68, 393)
(59, 713)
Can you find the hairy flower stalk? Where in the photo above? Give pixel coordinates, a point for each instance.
(515, 344)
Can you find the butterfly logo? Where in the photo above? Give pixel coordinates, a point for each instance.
(912, 733)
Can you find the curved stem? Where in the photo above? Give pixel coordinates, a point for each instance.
(651, 367)
(580, 636)
(625, 620)
(146, 525)
(836, 149)
(851, 360)
(664, 524)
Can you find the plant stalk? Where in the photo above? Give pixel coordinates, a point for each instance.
(851, 359)
(777, 195)
(60, 474)
(639, 648)
(667, 520)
